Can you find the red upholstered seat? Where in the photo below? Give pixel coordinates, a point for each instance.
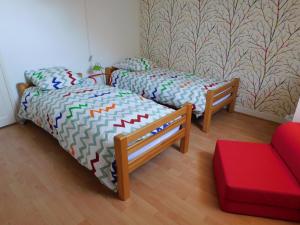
(286, 141)
(260, 179)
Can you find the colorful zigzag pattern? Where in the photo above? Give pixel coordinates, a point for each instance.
(132, 121)
(106, 109)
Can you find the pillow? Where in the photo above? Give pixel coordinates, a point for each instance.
(52, 78)
(135, 64)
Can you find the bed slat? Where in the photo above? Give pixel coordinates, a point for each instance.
(223, 94)
(154, 151)
(148, 140)
(221, 105)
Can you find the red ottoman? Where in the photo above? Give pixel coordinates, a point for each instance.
(261, 179)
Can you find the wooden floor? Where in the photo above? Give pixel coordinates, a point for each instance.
(41, 184)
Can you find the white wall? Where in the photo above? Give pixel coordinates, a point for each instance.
(6, 111)
(114, 29)
(40, 33)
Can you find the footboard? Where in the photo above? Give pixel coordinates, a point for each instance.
(180, 118)
(218, 98)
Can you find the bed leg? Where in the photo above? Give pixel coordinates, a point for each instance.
(236, 87)
(206, 121)
(231, 107)
(208, 111)
(121, 157)
(184, 142)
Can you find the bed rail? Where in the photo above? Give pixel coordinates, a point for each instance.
(180, 118)
(227, 91)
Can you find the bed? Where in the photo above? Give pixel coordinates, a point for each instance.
(110, 131)
(173, 88)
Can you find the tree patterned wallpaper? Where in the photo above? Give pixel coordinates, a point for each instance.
(256, 40)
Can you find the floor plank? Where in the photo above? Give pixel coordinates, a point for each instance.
(42, 184)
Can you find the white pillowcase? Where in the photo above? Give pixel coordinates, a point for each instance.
(53, 78)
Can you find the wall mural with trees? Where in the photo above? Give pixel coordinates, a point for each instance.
(256, 40)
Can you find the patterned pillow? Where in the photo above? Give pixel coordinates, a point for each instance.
(52, 78)
(135, 64)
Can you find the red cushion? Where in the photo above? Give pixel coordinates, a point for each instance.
(260, 210)
(286, 141)
(254, 173)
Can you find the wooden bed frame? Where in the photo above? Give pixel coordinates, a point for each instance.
(212, 96)
(180, 118)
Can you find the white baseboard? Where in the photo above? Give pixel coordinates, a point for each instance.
(261, 115)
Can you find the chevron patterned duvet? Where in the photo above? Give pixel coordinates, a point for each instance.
(168, 87)
(84, 118)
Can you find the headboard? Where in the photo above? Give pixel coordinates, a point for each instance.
(108, 73)
(22, 87)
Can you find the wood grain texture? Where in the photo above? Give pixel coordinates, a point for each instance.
(22, 87)
(121, 155)
(42, 184)
(108, 73)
